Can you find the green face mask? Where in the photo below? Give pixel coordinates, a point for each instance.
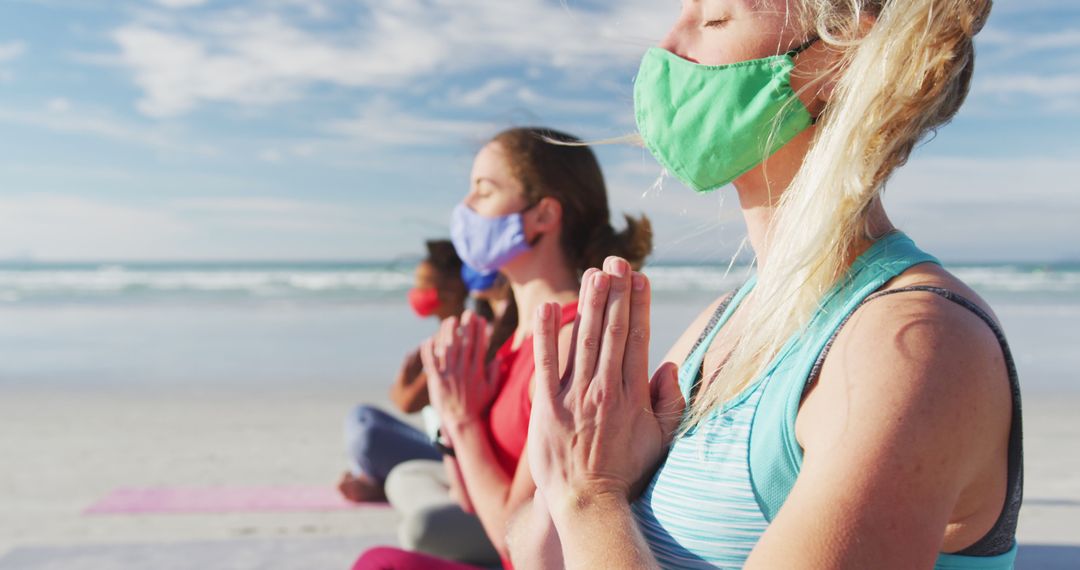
(710, 124)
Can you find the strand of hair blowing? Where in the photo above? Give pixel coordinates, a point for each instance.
(905, 77)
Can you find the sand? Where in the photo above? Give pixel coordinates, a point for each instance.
(61, 452)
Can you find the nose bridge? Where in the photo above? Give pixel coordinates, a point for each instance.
(680, 38)
(471, 199)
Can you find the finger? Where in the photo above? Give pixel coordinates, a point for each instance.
(442, 342)
(483, 342)
(636, 359)
(431, 368)
(453, 344)
(668, 403)
(466, 335)
(591, 314)
(609, 367)
(572, 353)
(475, 366)
(546, 353)
(427, 356)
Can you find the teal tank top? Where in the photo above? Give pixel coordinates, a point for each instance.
(724, 481)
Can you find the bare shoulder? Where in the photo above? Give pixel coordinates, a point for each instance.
(918, 366)
(931, 342)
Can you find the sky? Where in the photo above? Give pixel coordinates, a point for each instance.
(345, 129)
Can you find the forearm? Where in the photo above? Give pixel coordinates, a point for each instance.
(410, 395)
(487, 485)
(597, 530)
(457, 484)
(532, 539)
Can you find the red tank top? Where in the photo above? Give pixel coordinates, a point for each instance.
(508, 420)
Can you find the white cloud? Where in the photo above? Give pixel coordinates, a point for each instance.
(383, 124)
(11, 50)
(57, 116)
(71, 227)
(990, 208)
(1014, 42)
(259, 56)
(1052, 86)
(270, 155)
(181, 3)
(58, 105)
(482, 94)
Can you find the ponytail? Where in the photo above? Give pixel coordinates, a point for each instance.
(632, 244)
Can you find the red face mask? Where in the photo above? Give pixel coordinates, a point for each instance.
(424, 302)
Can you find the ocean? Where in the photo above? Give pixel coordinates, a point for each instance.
(332, 326)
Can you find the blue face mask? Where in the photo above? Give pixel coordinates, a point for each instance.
(478, 280)
(486, 244)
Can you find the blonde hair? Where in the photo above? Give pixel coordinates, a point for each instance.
(899, 80)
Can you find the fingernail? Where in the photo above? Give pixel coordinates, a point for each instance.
(638, 282)
(600, 281)
(545, 311)
(619, 267)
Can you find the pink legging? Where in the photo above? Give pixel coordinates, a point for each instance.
(387, 558)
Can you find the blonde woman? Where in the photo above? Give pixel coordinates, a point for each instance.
(853, 405)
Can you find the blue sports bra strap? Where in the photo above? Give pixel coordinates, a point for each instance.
(689, 371)
(775, 455)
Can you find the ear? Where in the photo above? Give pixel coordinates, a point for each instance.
(819, 68)
(546, 215)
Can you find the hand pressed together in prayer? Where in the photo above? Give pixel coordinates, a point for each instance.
(602, 427)
(461, 385)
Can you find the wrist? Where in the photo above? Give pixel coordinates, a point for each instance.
(589, 502)
(459, 427)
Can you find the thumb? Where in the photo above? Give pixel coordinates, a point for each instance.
(668, 403)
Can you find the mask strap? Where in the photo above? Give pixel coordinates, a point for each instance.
(803, 47)
(796, 51)
(536, 239)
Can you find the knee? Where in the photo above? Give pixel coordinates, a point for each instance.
(409, 476)
(361, 427)
(378, 558)
(365, 415)
(420, 530)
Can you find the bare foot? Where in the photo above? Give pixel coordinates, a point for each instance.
(361, 489)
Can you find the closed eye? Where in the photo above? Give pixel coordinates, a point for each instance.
(715, 23)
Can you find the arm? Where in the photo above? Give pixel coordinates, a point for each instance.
(458, 492)
(495, 495)
(602, 427)
(911, 411)
(409, 391)
(532, 538)
(463, 389)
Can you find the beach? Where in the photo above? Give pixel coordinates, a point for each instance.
(224, 391)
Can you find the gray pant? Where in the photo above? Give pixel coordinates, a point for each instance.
(433, 523)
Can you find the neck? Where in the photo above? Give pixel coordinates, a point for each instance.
(760, 191)
(543, 278)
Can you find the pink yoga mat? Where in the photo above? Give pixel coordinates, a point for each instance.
(221, 500)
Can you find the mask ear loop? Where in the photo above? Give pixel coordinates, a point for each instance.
(532, 243)
(796, 51)
(802, 47)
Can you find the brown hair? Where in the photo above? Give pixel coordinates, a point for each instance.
(442, 256)
(570, 174)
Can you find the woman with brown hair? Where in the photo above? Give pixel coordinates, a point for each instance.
(536, 211)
